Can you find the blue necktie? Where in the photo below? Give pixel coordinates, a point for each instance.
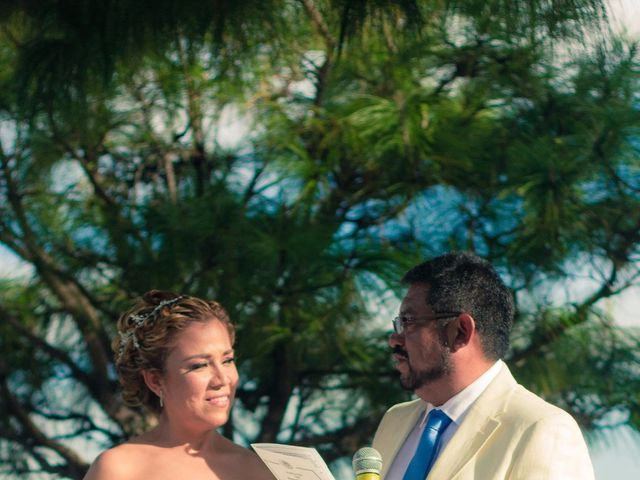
(437, 422)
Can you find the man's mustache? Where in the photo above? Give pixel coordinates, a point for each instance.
(398, 350)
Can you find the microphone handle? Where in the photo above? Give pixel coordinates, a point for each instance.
(368, 476)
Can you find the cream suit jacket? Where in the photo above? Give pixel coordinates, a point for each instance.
(508, 433)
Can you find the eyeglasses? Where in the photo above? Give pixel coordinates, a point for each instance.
(400, 323)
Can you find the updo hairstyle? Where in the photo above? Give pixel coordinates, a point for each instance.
(147, 333)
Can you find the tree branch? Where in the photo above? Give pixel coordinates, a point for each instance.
(350, 438)
(546, 335)
(319, 24)
(74, 463)
(68, 290)
(47, 348)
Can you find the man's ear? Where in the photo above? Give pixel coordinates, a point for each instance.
(153, 380)
(460, 331)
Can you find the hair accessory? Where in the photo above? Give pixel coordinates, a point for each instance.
(138, 321)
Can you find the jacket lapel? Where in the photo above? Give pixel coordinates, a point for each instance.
(399, 430)
(477, 427)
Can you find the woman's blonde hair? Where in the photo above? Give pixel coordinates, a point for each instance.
(147, 333)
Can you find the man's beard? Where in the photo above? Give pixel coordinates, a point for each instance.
(418, 378)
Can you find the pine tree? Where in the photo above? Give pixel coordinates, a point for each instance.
(292, 160)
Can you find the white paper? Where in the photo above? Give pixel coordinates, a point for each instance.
(288, 462)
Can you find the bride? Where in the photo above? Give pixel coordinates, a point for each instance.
(174, 355)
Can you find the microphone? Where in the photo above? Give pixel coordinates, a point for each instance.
(367, 464)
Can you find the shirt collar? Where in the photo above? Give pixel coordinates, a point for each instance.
(458, 405)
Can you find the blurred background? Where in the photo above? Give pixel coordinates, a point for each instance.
(292, 159)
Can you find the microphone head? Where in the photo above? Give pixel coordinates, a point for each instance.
(367, 460)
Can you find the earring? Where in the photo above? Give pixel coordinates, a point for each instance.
(161, 401)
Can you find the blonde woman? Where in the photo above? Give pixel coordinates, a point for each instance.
(174, 355)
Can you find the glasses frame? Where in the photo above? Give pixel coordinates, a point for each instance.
(400, 323)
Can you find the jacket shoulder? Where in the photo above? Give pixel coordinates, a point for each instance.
(530, 408)
(397, 415)
(402, 410)
(404, 407)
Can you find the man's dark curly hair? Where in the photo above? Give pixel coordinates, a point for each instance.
(461, 281)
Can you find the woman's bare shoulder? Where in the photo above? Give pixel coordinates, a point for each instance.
(257, 468)
(251, 463)
(117, 463)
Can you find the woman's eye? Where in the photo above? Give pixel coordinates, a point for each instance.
(228, 361)
(199, 365)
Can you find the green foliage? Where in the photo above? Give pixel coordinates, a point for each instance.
(370, 135)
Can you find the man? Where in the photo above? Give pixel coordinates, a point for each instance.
(472, 420)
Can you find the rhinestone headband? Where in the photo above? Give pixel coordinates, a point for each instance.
(138, 321)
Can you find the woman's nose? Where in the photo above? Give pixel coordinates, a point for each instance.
(218, 378)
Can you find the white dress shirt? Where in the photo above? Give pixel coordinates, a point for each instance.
(456, 409)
